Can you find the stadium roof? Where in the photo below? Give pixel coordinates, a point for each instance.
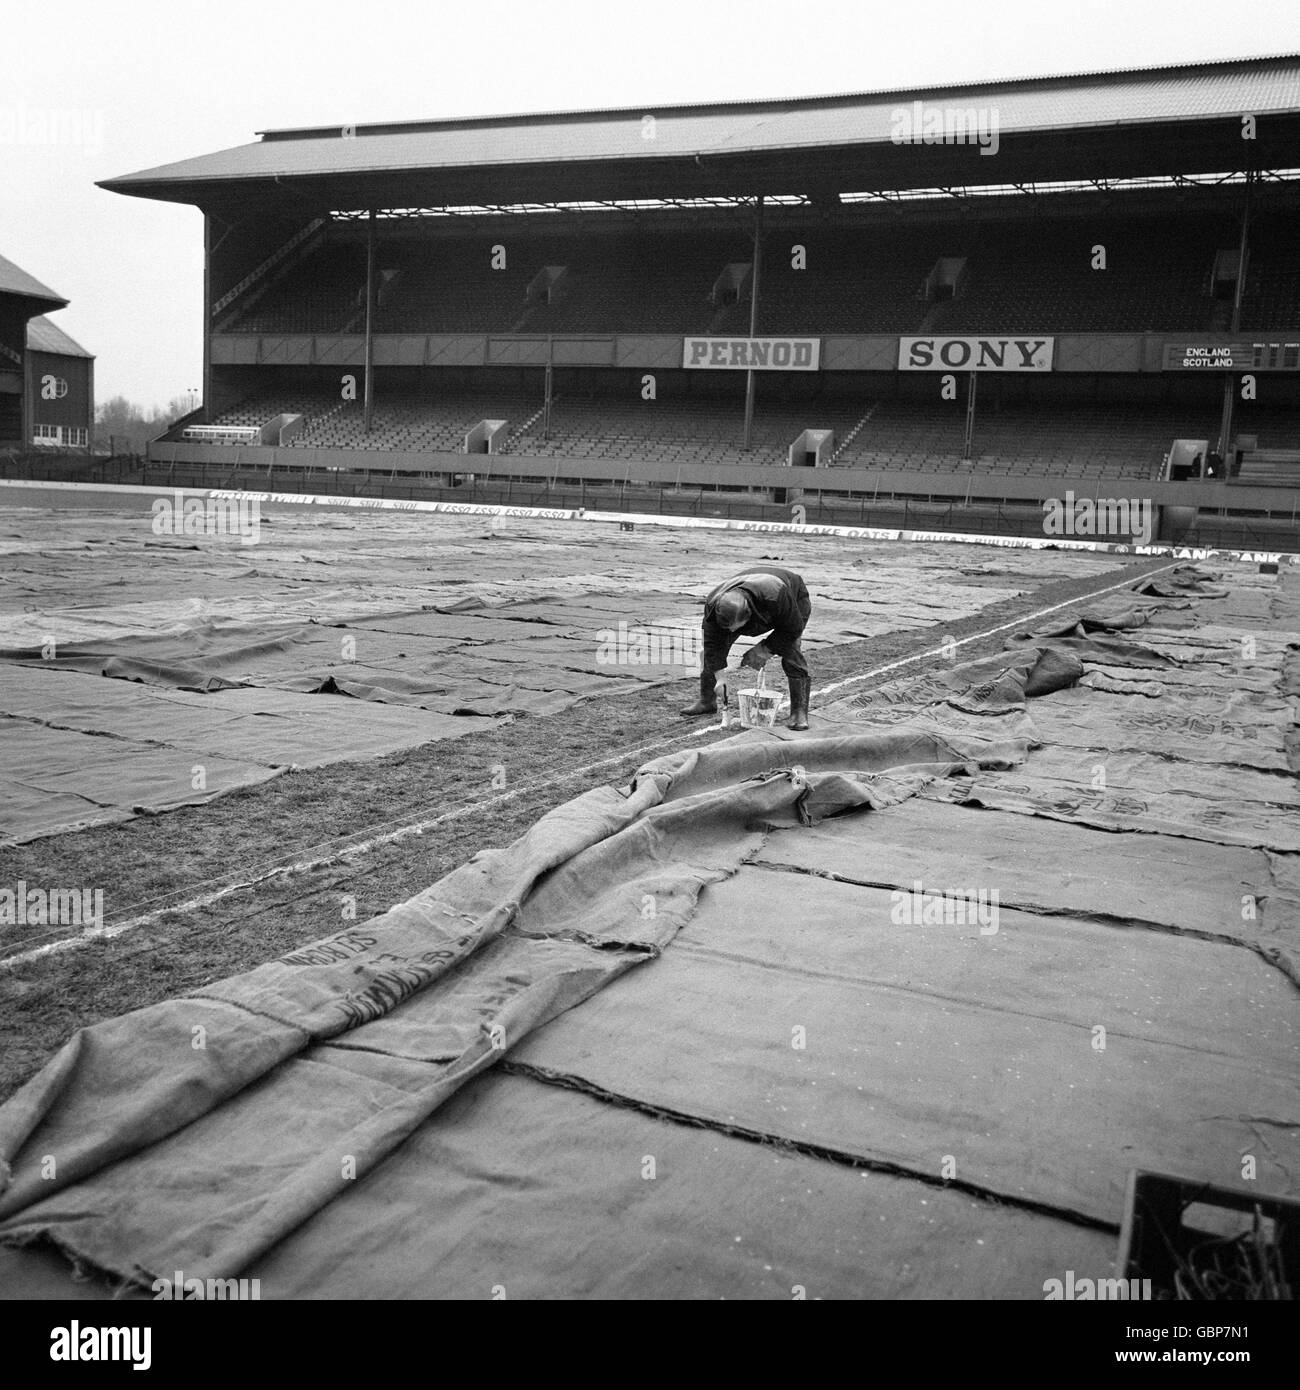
(1155, 121)
(46, 336)
(15, 280)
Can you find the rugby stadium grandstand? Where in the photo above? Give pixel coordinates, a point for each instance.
(571, 295)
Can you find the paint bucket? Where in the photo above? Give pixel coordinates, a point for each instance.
(758, 708)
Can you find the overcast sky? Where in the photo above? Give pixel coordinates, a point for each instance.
(163, 80)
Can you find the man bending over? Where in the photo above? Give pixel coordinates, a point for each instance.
(764, 599)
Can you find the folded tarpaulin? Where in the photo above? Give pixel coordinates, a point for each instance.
(1183, 579)
(1114, 615)
(1096, 648)
(991, 685)
(196, 1133)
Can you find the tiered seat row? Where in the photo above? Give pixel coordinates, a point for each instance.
(848, 286)
(1154, 278)
(639, 287)
(260, 410)
(1271, 468)
(322, 294)
(1083, 441)
(411, 425)
(1017, 277)
(677, 433)
(1070, 441)
(451, 288)
(398, 422)
(1273, 428)
(1273, 300)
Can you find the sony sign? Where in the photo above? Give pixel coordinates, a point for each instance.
(983, 354)
(761, 354)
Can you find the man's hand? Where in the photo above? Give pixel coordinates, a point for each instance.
(727, 682)
(757, 656)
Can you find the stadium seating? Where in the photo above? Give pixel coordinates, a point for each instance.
(1270, 468)
(1273, 427)
(864, 283)
(321, 294)
(1271, 299)
(408, 423)
(1079, 440)
(1020, 279)
(637, 286)
(400, 422)
(1082, 441)
(685, 433)
(1019, 276)
(450, 287)
(259, 410)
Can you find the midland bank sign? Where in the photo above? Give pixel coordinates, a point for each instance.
(991, 354)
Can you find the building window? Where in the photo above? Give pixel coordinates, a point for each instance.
(46, 434)
(76, 438)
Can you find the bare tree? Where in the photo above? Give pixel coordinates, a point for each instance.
(128, 427)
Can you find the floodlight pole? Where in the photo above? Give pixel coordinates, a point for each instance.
(209, 250)
(970, 416)
(753, 320)
(370, 309)
(1230, 381)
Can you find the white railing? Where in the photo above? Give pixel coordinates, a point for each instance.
(221, 434)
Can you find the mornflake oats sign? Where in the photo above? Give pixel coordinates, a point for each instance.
(1022, 353)
(741, 354)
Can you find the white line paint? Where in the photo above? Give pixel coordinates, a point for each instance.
(70, 943)
(993, 631)
(318, 861)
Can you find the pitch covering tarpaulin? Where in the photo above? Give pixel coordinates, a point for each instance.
(177, 1155)
(125, 659)
(821, 1036)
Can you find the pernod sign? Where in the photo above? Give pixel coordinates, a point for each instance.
(1009, 354)
(762, 354)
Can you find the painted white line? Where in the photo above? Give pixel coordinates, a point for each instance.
(993, 631)
(71, 943)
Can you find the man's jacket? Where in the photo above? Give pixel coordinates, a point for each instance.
(778, 602)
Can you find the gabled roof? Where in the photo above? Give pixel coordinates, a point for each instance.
(46, 336)
(470, 157)
(15, 280)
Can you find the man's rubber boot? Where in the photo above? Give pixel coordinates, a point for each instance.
(708, 701)
(800, 691)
